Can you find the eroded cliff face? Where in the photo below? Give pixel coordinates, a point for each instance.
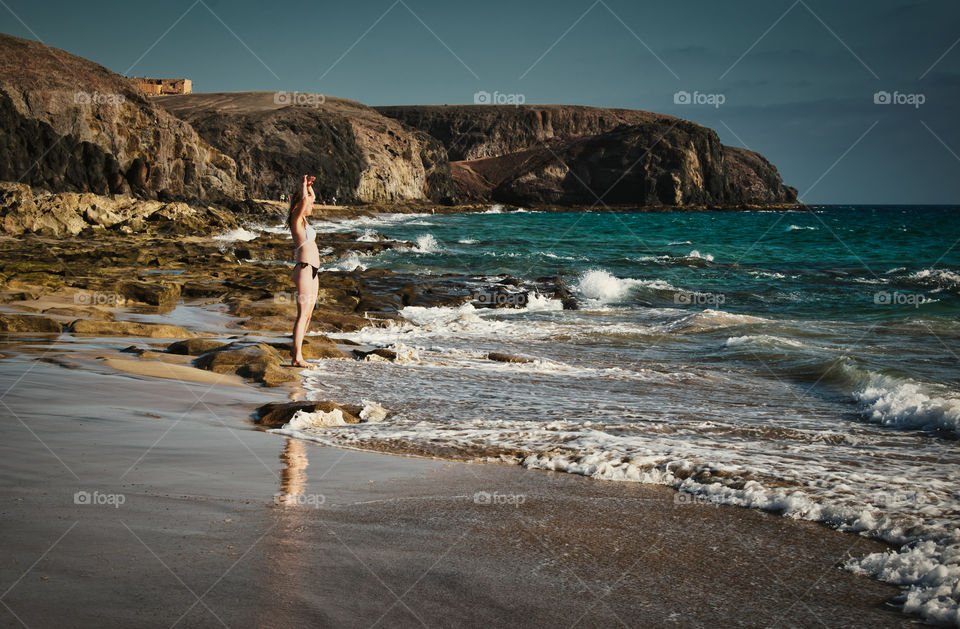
(68, 124)
(475, 131)
(585, 155)
(752, 177)
(355, 153)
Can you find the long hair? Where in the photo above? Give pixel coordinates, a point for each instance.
(295, 200)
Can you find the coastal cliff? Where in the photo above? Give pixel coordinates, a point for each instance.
(357, 154)
(70, 125)
(581, 155)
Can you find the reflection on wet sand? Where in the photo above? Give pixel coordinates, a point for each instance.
(284, 550)
(293, 476)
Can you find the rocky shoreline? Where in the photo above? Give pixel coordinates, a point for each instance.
(113, 267)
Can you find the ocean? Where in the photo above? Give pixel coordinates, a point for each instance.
(801, 362)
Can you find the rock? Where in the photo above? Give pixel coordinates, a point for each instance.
(507, 358)
(382, 352)
(267, 324)
(75, 312)
(530, 154)
(194, 347)
(313, 349)
(356, 153)
(153, 293)
(29, 323)
(260, 362)
(266, 308)
(203, 289)
(331, 321)
(31, 293)
(129, 328)
(277, 414)
(562, 292)
(73, 125)
(274, 375)
(69, 213)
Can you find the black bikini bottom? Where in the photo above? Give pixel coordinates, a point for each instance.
(316, 269)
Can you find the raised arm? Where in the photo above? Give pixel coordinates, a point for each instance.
(303, 208)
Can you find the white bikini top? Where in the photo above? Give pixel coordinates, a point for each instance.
(311, 236)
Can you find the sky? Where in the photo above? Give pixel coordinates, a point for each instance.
(853, 101)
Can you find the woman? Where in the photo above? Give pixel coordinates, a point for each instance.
(307, 265)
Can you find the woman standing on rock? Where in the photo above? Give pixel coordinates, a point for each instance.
(307, 264)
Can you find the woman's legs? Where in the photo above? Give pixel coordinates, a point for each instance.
(306, 296)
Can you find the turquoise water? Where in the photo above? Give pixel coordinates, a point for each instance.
(800, 362)
(832, 260)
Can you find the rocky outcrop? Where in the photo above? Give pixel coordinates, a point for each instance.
(355, 153)
(632, 165)
(71, 126)
(276, 414)
(28, 323)
(569, 155)
(754, 178)
(259, 361)
(28, 210)
(68, 124)
(88, 327)
(474, 131)
(501, 357)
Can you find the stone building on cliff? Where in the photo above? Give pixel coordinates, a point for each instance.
(155, 87)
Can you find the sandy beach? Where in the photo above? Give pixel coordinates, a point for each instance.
(134, 500)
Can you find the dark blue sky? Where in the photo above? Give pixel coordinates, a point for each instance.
(797, 77)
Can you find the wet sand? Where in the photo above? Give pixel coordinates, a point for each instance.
(193, 517)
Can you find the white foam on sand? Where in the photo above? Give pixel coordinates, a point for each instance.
(884, 503)
(319, 419)
(373, 412)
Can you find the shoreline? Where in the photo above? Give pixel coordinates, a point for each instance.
(103, 358)
(272, 531)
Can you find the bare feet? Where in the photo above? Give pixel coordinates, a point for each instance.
(299, 363)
